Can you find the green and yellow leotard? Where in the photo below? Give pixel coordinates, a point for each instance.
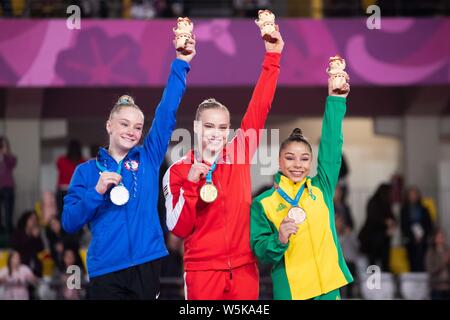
(311, 264)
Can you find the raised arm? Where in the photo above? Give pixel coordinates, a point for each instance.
(157, 140)
(330, 147)
(262, 97)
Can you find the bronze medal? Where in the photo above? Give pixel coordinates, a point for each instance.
(297, 214)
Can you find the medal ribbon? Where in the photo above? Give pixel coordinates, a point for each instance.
(292, 202)
(103, 169)
(210, 172)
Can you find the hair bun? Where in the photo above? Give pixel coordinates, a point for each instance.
(125, 100)
(296, 133)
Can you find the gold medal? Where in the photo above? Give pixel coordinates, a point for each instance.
(208, 193)
(297, 214)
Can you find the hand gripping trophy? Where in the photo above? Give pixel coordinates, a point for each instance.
(338, 75)
(266, 22)
(183, 33)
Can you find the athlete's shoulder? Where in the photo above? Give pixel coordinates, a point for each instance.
(180, 167)
(85, 166)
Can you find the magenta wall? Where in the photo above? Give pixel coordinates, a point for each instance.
(45, 53)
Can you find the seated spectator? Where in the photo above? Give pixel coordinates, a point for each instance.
(27, 240)
(59, 241)
(438, 267)
(16, 277)
(66, 292)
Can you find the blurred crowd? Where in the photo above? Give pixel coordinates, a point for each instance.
(149, 9)
(400, 234)
(37, 252)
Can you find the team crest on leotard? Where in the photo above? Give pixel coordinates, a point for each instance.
(132, 165)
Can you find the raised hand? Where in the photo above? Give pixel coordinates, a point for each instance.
(276, 46)
(190, 47)
(345, 87)
(198, 171)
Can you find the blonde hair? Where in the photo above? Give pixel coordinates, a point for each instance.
(122, 102)
(208, 104)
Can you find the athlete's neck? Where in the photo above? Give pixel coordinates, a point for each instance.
(117, 153)
(209, 157)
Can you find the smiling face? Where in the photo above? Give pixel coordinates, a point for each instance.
(295, 161)
(125, 128)
(212, 129)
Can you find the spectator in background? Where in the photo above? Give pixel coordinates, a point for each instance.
(171, 8)
(342, 182)
(142, 9)
(344, 228)
(375, 235)
(64, 292)
(59, 241)
(342, 209)
(66, 165)
(416, 226)
(89, 8)
(27, 240)
(16, 277)
(7, 164)
(5, 8)
(349, 245)
(48, 208)
(438, 267)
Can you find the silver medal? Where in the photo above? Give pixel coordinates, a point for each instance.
(119, 195)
